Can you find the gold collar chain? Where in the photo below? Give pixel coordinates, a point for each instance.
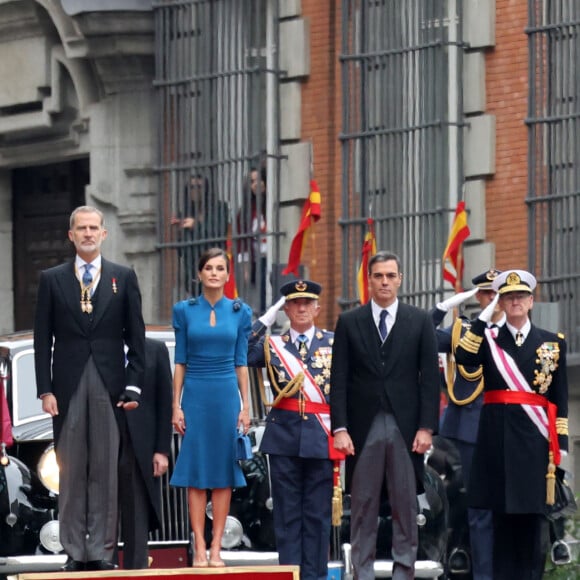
(86, 305)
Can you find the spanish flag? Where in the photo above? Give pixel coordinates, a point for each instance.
(452, 256)
(369, 249)
(230, 288)
(311, 213)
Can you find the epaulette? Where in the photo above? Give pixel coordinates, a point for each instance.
(561, 336)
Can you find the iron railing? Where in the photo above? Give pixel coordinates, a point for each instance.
(554, 159)
(216, 82)
(401, 136)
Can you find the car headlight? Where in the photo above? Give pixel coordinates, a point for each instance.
(49, 537)
(48, 471)
(233, 533)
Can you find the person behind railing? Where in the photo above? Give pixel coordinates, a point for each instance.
(210, 381)
(201, 221)
(251, 225)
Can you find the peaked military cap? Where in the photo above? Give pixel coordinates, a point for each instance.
(483, 281)
(301, 289)
(514, 281)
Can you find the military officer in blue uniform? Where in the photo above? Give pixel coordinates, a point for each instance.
(296, 437)
(460, 421)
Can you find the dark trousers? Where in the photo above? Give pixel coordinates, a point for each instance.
(520, 546)
(302, 498)
(480, 521)
(87, 453)
(134, 507)
(384, 457)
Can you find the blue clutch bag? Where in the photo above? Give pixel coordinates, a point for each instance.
(243, 447)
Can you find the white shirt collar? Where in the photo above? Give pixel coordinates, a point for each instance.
(392, 310)
(80, 263)
(294, 334)
(95, 270)
(525, 329)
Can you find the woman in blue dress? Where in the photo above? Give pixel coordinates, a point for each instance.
(210, 399)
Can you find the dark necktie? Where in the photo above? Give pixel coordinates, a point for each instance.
(519, 338)
(302, 348)
(383, 324)
(87, 276)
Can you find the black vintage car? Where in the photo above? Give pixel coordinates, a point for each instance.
(29, 538)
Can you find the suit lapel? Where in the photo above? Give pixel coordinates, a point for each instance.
(71, 291)
(396, 339)
(105, 290)
(368, 333)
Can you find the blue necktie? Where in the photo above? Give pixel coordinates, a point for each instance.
(302, 348)
(383, 324)
(87, 276)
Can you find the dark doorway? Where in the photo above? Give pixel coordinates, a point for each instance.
(44, 197)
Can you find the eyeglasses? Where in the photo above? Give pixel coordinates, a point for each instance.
(519, 296)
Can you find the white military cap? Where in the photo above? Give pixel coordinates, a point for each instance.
(514, 281)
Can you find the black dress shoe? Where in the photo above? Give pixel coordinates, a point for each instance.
(100, 565)
(73, 566)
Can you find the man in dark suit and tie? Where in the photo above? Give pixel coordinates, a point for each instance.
(86, 312)
(298, 427)
(384, 405)
(146, 443)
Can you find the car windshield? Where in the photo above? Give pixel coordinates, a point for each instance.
(27, 406)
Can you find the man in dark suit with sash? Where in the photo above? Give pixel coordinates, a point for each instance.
(86, 312)
(523, 425)
(297, 431)
(385, 407)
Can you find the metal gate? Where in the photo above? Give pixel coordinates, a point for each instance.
(217, 87)
(401, 135)
(554, 158)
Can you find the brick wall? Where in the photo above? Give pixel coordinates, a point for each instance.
(321, 125)
(507, 90)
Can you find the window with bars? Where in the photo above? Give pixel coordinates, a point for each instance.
(554, 159)
(400, 138)
(215, 81)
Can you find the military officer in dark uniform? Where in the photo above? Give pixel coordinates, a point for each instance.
(461, 418)
(297, 428)
(523, 425)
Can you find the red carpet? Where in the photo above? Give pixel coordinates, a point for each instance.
(228, 573)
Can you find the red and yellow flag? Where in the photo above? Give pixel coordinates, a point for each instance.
(369, 248)
(311, 213)
(452, 256)
(230, 288)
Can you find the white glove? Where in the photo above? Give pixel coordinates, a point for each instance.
(456, 300)
(268, 318)
(487, 312)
